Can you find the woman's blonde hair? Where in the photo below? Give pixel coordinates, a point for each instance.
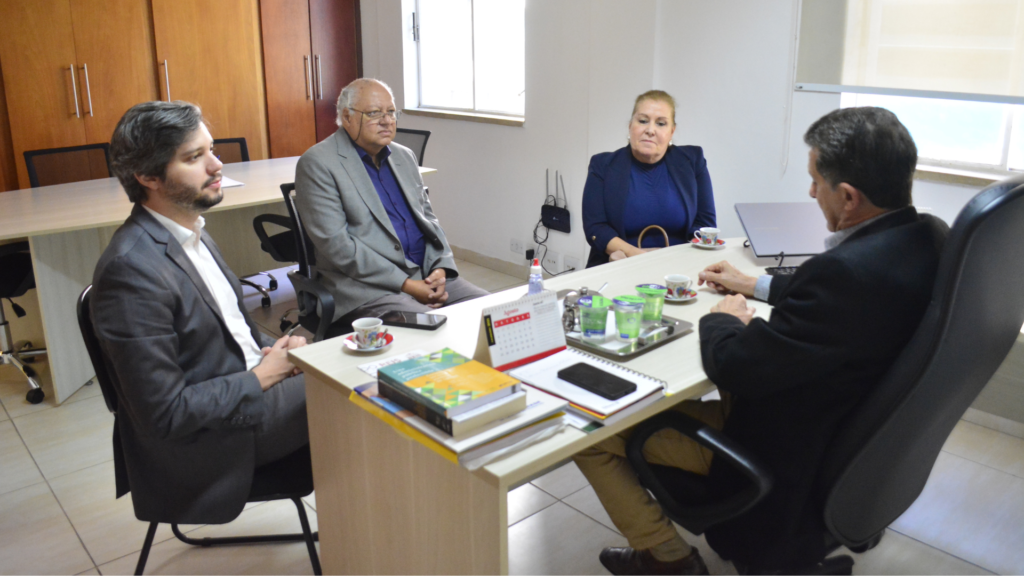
(658, 95)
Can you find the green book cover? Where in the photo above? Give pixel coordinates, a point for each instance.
(448, 381)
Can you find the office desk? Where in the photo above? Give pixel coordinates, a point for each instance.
(69, 225)
(387, 504)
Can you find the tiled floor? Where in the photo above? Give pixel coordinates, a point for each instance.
(58, 514)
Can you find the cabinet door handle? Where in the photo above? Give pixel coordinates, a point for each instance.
(88, 89)
(309, 79)
(319, 79)
(74, 89)
(167, 80)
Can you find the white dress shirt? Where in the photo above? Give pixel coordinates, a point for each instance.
(216, 282)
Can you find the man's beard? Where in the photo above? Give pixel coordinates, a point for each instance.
(192, 198)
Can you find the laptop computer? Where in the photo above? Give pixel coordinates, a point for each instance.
(790, 228)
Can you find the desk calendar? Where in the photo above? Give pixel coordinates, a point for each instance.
(520, 332)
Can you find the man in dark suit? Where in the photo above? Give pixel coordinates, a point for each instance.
(378, 245)
(787, 383)
(204, 398)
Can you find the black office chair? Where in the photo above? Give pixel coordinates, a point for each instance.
(16, 278)
(879, 462)
(70, 164)
(290, 478)
(316, 304)
(415, 140)
(231, 150)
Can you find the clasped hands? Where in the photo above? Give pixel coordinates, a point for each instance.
(275, 365)
(430, 291)
(726, 279)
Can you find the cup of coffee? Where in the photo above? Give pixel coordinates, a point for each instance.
(678, 285)
(368, 333)
(707, 236)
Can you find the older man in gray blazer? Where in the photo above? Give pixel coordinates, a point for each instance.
(203, 397)
(377, 243)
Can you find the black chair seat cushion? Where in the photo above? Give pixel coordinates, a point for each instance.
(291, 476)
(16, 276)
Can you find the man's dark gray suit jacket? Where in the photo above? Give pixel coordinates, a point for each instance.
(188, 407)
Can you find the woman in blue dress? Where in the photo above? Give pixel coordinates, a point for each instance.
(650, 181)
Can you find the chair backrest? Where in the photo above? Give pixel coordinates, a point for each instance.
(96, 355)
(416, 140)
(231, 150)
(880, 462)
(303, 245)
(70, 164)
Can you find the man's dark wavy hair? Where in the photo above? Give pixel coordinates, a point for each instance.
(869, 149)
(146, 139)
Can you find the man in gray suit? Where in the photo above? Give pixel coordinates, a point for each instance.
(204, 398)
(378, 245)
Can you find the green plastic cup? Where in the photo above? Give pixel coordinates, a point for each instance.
(628, 312)
(593, 316)
(654, 302)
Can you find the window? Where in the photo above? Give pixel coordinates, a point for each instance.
(471, 55)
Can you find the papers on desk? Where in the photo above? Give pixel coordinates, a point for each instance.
(226, 182)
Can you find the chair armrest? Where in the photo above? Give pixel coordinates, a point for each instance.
(309, 293)
(13, 248)
(259, 225)
(697, 518)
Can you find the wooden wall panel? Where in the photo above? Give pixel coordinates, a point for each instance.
(287, 62)
(215, 60)
(8, 169)
(335, 30)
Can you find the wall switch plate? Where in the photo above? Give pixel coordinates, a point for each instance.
(551, 261)
(516, 246)
(570, 263)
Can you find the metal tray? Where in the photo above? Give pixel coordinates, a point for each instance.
(627, 350)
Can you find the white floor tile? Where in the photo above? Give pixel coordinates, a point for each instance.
(526, 501)
(68, 438)
(562, 481)
(85, 392)
(176, 557)
(586, 501)
(37, 537)
(93, 572)
(18, 469)
(986, 446)
(13, 388)
(107, 526)
(3, 414)
(558, 540)
(899, 554)
(972, 512)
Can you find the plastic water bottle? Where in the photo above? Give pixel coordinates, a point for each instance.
(536, 278)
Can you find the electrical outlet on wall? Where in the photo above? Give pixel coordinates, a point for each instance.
(516, 246)
(570, 263)
(551, 261)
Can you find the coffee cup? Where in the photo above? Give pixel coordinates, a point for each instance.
(678, 285)
(707, 236)
(368, 333)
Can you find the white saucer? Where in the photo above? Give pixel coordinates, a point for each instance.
(690, 295)
(350, 343)
(718, 246)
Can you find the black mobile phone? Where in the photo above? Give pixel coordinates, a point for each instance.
(593, 379)
(413, 320)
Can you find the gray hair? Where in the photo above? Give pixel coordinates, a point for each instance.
(349, 94)
(146, 139)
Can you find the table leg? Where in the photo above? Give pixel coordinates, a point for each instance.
(388, 505)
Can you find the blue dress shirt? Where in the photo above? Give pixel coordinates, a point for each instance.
(395, 204)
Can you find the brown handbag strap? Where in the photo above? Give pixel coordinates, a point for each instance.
(640, 240)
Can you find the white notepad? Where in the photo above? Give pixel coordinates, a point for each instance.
(543, 374)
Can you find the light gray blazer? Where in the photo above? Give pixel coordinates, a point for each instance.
(184, 434)
(358, 255)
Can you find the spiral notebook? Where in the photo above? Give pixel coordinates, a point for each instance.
(543, 374)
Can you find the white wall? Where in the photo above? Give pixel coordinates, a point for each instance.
(728, 63)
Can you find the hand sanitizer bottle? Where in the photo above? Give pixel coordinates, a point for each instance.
(536, 278)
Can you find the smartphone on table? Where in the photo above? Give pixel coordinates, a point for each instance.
(416, 320)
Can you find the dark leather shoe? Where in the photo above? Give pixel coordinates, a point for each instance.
(630, 561)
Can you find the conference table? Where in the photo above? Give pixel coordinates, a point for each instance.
(387, 504)
(69, 225)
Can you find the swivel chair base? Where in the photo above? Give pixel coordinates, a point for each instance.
(10, 354)
(264, 291)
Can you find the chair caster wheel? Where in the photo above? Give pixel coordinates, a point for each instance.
(273, 284)
(265, 302)
(35, 395)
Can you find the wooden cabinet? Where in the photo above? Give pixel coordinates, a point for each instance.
(71, 68)
(311, 50)
(208, 53)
